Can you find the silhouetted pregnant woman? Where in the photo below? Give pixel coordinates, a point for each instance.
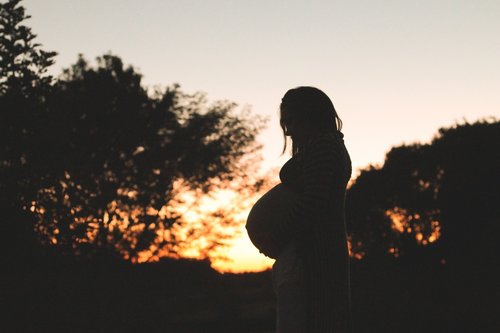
(311, 271)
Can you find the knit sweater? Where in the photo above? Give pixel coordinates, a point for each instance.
(317, 223)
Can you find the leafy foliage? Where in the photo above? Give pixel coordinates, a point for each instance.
(93, 163)
(23, 88)
(439, 198)
(110, 155)
(22, 62)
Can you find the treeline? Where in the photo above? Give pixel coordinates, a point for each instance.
(425, 225)
(90, 161)
(435, 202)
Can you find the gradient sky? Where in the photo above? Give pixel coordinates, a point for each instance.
(396, 71)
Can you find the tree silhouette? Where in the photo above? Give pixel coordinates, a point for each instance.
(23, 64)
(468, 191)
(110, 156)
(23, 87)
(425, 225)
(424, 192)
(96, 159)
(440, 197)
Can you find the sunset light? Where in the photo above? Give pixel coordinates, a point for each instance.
(371, 70)
(426, 229)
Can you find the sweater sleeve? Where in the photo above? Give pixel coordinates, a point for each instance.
(319, 179)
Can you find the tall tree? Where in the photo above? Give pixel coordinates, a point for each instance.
(23, 87)
(110, 156)
(440, 197)
(95, 162)
(23, 64)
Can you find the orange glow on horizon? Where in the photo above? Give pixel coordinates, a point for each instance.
(213, 227)
(402, 221)
(239, 254)
(243, 257)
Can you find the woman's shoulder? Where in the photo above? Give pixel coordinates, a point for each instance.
(325, 141)
(327, 146)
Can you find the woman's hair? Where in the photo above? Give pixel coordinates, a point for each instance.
(311, 109)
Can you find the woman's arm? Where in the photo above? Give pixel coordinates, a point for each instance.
(320, 174)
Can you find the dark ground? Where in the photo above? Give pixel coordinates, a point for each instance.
(188, 296)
